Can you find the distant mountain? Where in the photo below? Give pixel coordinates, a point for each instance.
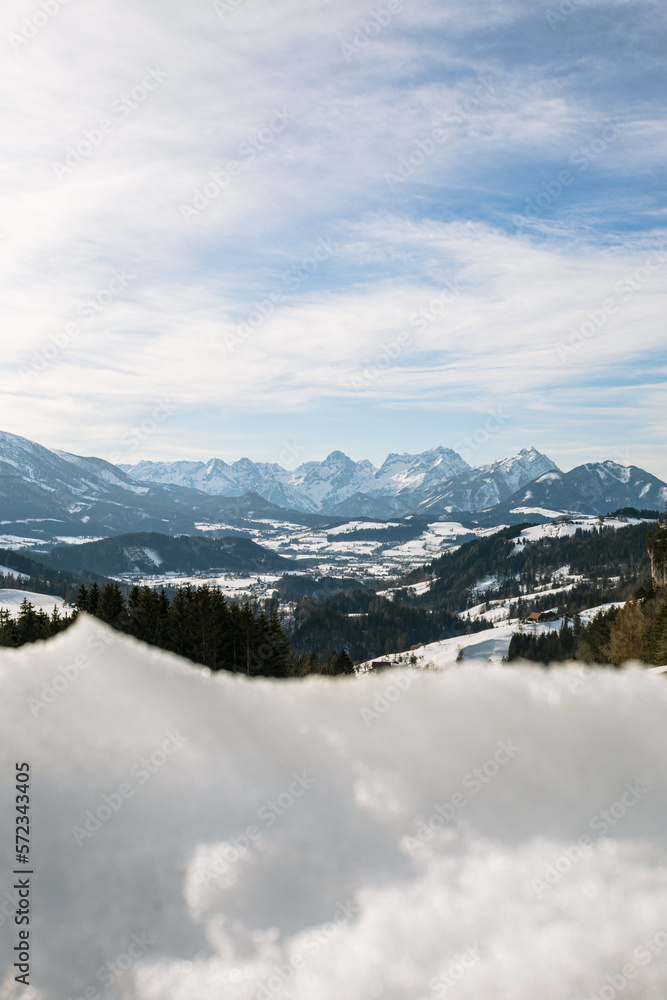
(487, 485)
(150, 553)
(46, 494)
(217, 478)
(435, 479)
(594, 488)
(313, 486)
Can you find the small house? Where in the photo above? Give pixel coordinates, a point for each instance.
(542, 616)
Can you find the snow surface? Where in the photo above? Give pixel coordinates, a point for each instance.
(321, 839)
(344, 529)
(12, 600)
(543, 511)
(562, 529)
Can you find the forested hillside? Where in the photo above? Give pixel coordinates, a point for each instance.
(613, 561)
(197, 623)
(20, 572)
(368, 625)
(148, 553)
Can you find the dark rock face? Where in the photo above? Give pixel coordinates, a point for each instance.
(656, 543)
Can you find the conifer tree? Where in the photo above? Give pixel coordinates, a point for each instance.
(93, 599)
(82, 598)
(111, 606)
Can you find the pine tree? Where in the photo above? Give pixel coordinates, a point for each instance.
(111, 606)
(8, 630)
(82, 598)
(93, 599)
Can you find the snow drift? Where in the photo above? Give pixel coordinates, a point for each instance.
(480, 832)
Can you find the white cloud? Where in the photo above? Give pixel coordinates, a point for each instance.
(321, 176)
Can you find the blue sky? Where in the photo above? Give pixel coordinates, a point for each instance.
(274, 229)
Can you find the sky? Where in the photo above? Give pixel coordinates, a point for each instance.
(275, 228)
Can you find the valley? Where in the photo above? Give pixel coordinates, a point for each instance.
(373, 585)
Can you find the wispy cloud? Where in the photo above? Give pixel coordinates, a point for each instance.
(278, 137)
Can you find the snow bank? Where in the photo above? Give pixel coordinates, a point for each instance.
(481, 833)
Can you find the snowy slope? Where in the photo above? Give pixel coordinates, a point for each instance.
(11, 600)
(500, 830)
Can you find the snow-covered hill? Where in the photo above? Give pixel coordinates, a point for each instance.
(489, 832)
(488, 646)
(11, 600)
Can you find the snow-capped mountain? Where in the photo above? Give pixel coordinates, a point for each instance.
(48, 494)
(488, 485)
(593, 488)
(417, 472)
(29, 462)
(313, 486)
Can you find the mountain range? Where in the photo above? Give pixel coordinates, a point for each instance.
(313, 486)
(342, 487)
(48, 494)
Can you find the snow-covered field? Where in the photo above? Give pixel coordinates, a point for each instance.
(489, 645)
(328, 551)
(11, 600)
(483, 833)
(232, 585)
(567, 528)
(334, 554)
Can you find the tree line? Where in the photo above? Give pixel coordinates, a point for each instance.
(636, 631)
(197, 623)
